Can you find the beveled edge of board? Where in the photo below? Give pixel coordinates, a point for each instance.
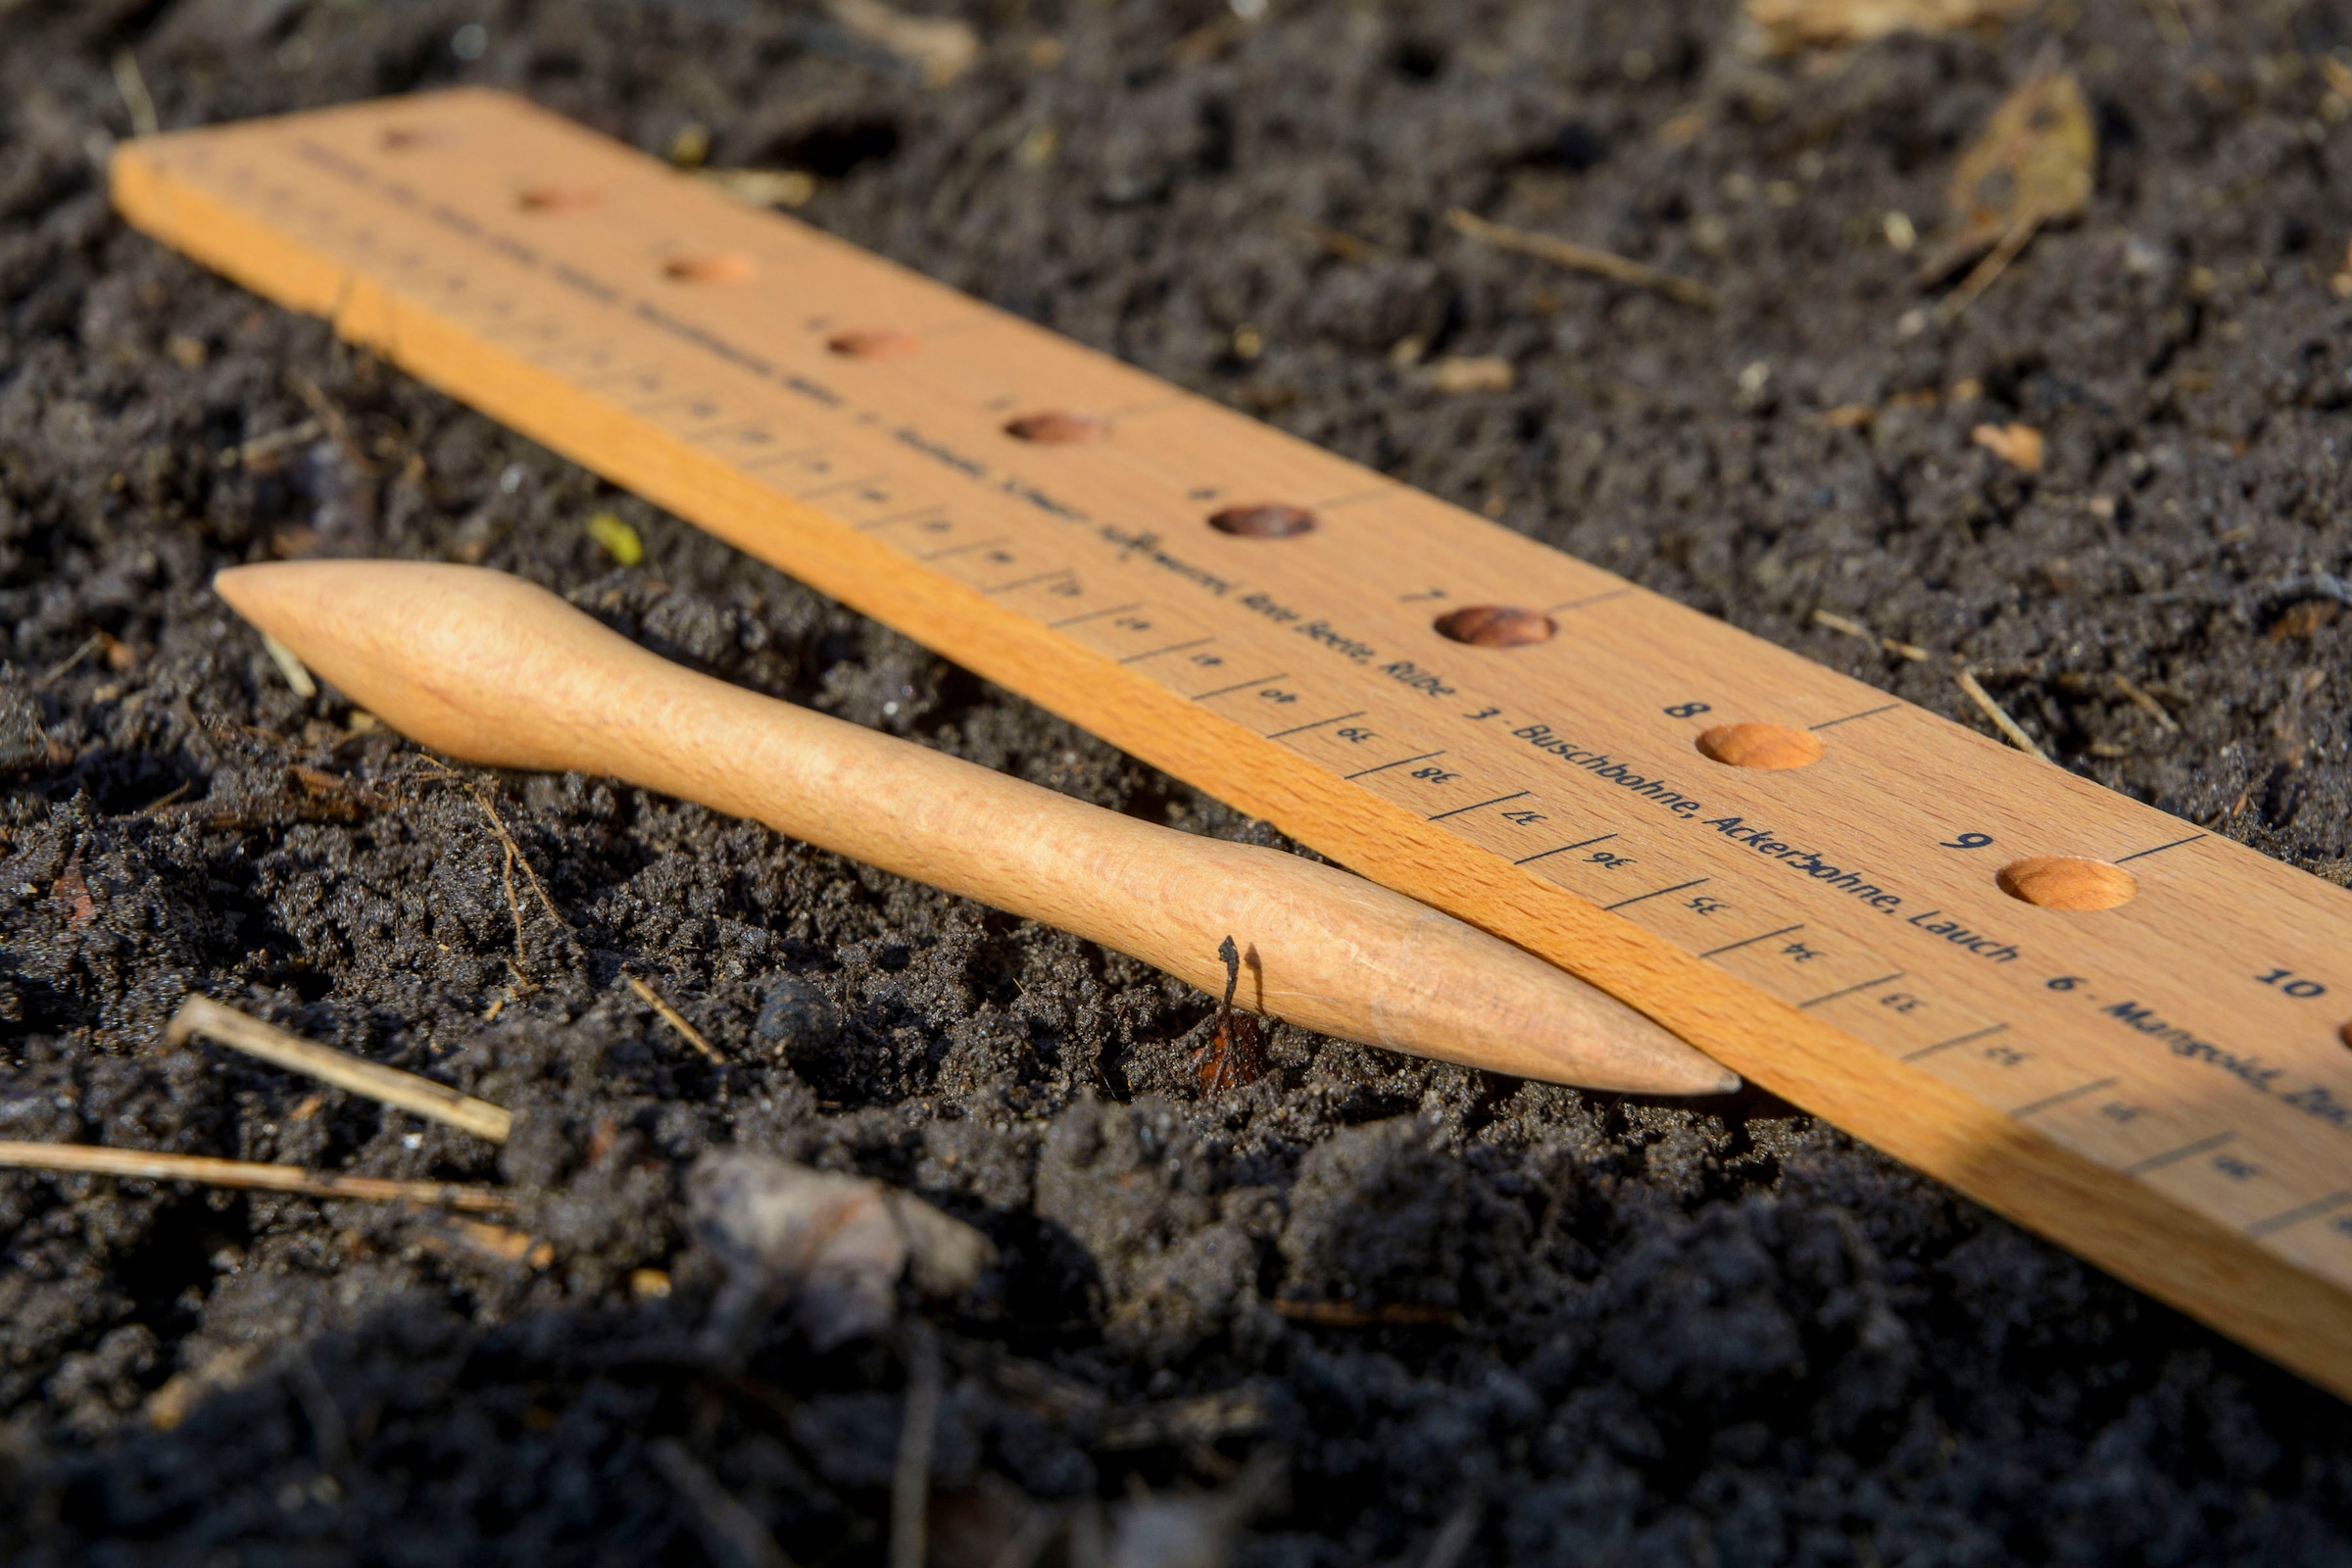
(2209, 1270)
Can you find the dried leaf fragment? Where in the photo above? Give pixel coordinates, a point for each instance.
(2036, 158)
(1783, 26)
(1485, 373)
(939, 48)
(2035, 164)
(2018, 444)
(764, 187)
(833, 1245)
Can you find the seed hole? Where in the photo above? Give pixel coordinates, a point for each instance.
(1770, 747)
(1053, 427)
(2067, 882)
(559, 199)
(1269, 519)
(1496, 625)
(873, 343)
(719, 266)
(407, 138)
(2344, 1033)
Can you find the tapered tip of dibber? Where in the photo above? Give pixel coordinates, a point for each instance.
(1498, 1006)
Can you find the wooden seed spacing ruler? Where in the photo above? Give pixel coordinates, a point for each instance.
(2131, 1047)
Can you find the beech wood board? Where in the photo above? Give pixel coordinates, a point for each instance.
(2160, 1086)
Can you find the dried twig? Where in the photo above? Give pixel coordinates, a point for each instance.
(1350, 1315)
(65, 665)
(1582, 258)
(522, 953)
(201, 1015)
(1996, 261)
(481, 798)
(290, 665)
(131, 84)
(730, 1533)
(487, 1243)
(2146, 704)
(262, 446)
(910, 1481)
(1993, 710)
(1855, 628)
(339, 428)
(674, 1018)
(1455, 1535)
(138, 1164)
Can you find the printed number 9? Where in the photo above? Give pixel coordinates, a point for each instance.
(1687, 709)
(1965, 841)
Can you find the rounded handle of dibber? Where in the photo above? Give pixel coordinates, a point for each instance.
(491, 669)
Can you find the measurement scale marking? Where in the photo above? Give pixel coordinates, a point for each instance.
(1516, 794)
(2170, 985)
(1657, 892)
(1848, 991)
(2296, 1215)
(1367, 773)
(1562, 850)
(1024, 582)
(1301, 729)
(2161, 848)
(1172, 648)
(1094, 613)
(917, 514)
(2036, 1107)
(1867, 713)
(2172, 1156)
(1592, 599)
(1925, 1051)
(1744, 942)
(1238, 685)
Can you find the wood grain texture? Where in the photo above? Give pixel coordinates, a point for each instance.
(492, 669)
(2159, 1084)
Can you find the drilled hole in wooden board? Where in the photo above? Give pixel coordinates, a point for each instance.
(873, 343)
(1496, 625)
(2345, 1034)
(1053, 427)
(717, 267)
(1268, 519)
(1770, 747)
(558, 198)
(2067, 882)
(407, 138)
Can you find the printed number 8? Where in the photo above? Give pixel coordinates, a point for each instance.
(1687, 709)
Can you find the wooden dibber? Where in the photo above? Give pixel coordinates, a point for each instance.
(492, 669)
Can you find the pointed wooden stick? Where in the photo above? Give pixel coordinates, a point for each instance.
(492, 669)
(89, 1161)
(201, 1015)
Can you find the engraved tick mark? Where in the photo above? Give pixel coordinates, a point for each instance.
(1479, 806)
(1545, 854)
(1301, 729)
(2172, 1156)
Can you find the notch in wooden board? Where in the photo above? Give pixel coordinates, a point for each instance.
(2095, 1018)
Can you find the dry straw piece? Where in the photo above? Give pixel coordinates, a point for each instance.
(201, 1015)
(1582, 258)
(84, 1159)
(2009, 729)
(1784, 26)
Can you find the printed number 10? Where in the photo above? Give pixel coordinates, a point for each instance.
(2285, 980)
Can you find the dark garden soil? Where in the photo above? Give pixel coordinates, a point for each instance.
(1470, 1319)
